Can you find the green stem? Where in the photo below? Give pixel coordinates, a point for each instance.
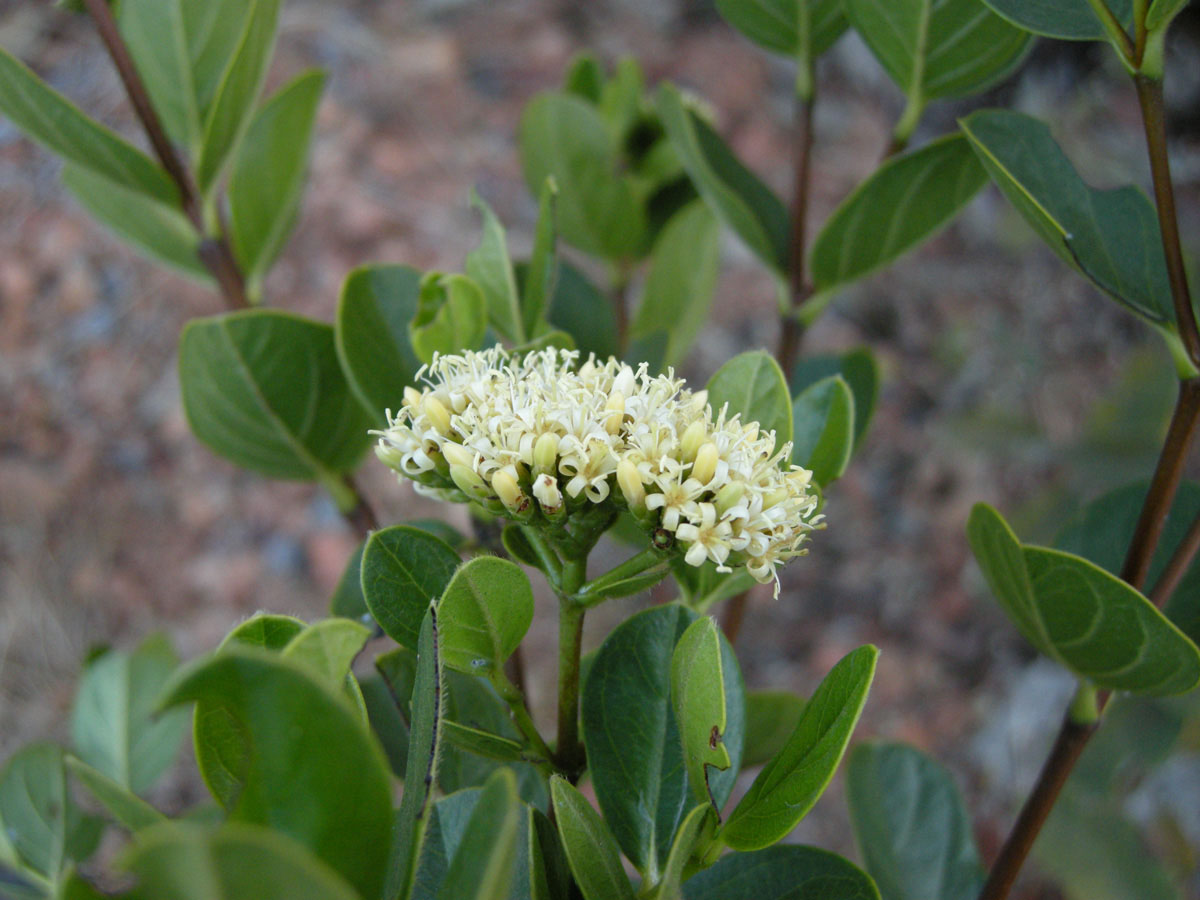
(593, 591)
(511, 695)
(1117, 35)
(570, 756)
(551, 565)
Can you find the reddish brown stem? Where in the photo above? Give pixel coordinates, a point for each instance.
(1180, 562)
(798, 290)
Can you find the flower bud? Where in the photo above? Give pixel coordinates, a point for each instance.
(692, 438)
(545, 453)
(412, 397)
(509, 491)
(630, 483)
(616, 403)
(437, 414)
(469, 483)
(705, 466)
(458, 455)
(728, 497)
(545, 489)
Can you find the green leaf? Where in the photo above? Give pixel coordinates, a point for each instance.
(484, 743)
(235, 862)
(268, 174)
(375, 307)
(907, 200)
(53, 121)
(1089, 621)
(113, 724)
(698, 701)
(781, 873)
(233, 105)
(451, 316)
(387, 722)
(266, 630)
(404, 569)
(635, 753)
(156, 229)
(328, 648)
(859, 370)
(702, 587)
(584, 77)
(348, 600)
(911, 825)
(686, 839)
(541, 277)
(483, 613)
(681, 281)
(311, 770)
(771, 717)
(753, 386)
(564, 137)
(1070, 20)
(421, 774)
(733, 192)
(1103, 530)
(779, 25)
(482, 869)
(1161, 13)
(591, 850)
(489, 267)
(1111, 236)
(788, 786)
(126, 807)
(938, 48)
(263, 389)
(33, 807)
(823, 429)
(579, 309)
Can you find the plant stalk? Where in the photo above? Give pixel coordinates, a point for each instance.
(512, 696)
(569, 757)
(1180, 562)
(792, 331)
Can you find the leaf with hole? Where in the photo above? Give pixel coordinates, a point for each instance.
(698, 701)
(404, 569)
(788, 786)
(1110, 236)
(263, 389)
(823, 429)
(753, 386)
(911, 825)
(1082, 617)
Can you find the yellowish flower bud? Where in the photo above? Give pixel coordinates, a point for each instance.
(728, 496)
(412, 397)
(545, 453)
(545, 488)
(469, 482)
(631, 486)
(438, 415)
(458, 455)
(692, 438)
(705, 466)
(616, 403)
(509, 491)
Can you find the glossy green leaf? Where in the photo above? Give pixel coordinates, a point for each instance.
(635, 753)
(1086, 619)
(1110, 236)
(310, 769)
(483, 613)
(33, 807)
(753, 386)
(1072, 20)
(733, 192)
(796, 28)
(788, 786)
(565, 137)
(858, 369)
(823, 429)
(681, 281)
(125, 806)
(177, 861)
(698, 701)
(912, 827)
(235, 99)
(404, 569)
(538, 285)
(114, 725)
(53, 121)
(591, 850)
(907, 200)
(771, 717)
(781, 873)
(451, 316)
(375, 307)
(489, 266)
(421, 774)
(263, 389)
(482, 869)
(328, 647)
(267, 180)
(156, 229)
(579, 309)
(938, 48)
(1102, 531)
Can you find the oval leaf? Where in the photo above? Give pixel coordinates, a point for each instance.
(125, 806)
(859, 370)
(698, 700)
(579, 309)
(484, 612)
(911, 825)
(491, 269)
(781, 873)
(328, 647)
(906, 201)
(801, 29)
(771, 717)
(1070, 20)
(451, 316)
(482, 869)
(753, 386)
(823, 429)
(591, 851)
(404, 569)
(263, 389)
(788, 786)
(33, 807)
(1089, 621)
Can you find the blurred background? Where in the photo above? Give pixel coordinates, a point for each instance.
(1006, 378)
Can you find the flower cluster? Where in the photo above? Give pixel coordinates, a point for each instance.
(533, 437)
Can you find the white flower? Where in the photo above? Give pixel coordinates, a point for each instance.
(605, 433)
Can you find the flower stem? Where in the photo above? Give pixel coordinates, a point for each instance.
(512, 695)
(570, 756)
